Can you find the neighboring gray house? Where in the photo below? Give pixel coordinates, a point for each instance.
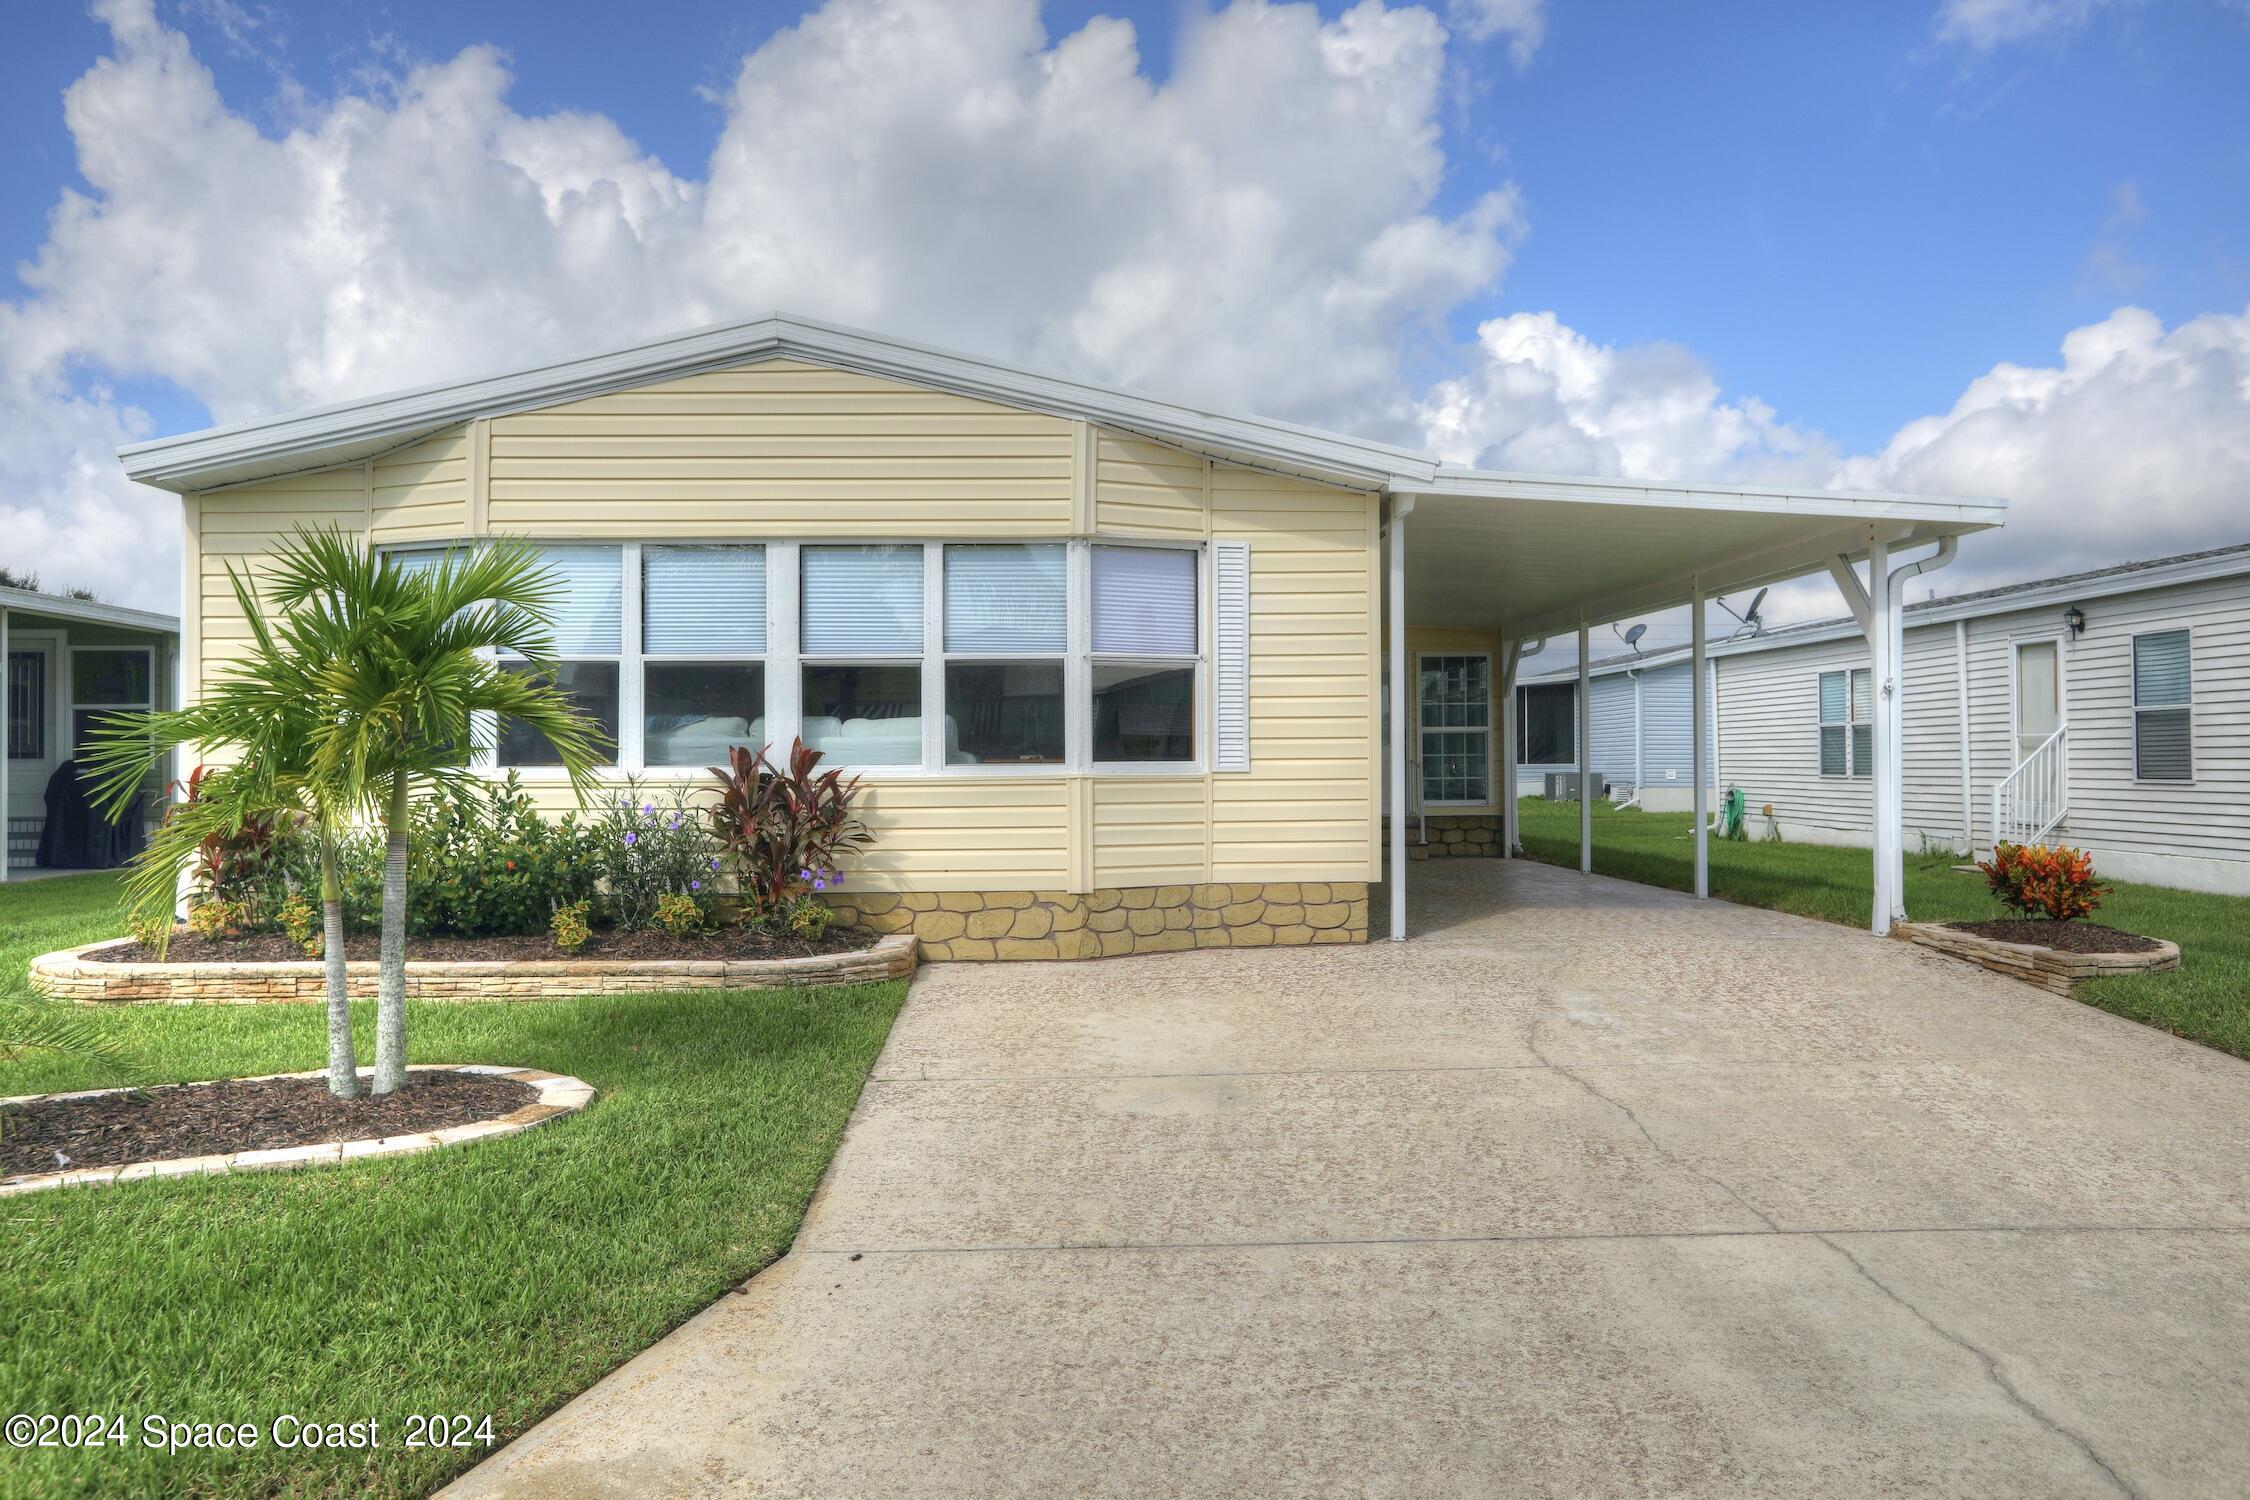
(2109, 710)
(69, 661)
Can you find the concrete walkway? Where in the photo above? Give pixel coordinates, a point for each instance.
(1588, 1190)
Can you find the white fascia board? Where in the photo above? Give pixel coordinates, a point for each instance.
(1868, 505)
(353, 429)
(88, 611)
(1945, 612)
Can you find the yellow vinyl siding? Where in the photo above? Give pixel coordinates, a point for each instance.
(781, 449)
(1147, 489)
(420, 493)
(1150, 832)
(1305, 809)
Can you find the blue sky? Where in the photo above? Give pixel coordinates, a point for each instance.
(1838, 214)
(1977, 246)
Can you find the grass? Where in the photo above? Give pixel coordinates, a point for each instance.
(497, 1278)
(2207, 1000)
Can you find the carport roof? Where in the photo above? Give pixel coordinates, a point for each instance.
(1522, 552)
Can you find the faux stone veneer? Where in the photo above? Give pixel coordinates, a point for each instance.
(70, 975)
(985, 925)
(1454, 836)
(2051, 969)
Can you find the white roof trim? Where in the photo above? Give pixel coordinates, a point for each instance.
(1941, 612)
(353, 430)
(87, 611)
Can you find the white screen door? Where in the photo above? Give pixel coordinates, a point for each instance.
(2038, 695)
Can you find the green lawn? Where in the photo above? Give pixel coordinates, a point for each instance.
(2207, 1000)
(495, 1278)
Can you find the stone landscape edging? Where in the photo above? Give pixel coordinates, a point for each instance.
(70, 974)
(2051, 969)
(559, 1095)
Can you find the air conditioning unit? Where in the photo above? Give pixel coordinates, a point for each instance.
(1562, 786)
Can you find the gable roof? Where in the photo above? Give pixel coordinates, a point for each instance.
(2095, 583)
(352, 430)
(88, 611)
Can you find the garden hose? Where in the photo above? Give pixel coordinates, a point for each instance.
(1731, 809)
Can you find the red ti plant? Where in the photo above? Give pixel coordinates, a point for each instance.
(241, 865)
(2039, 881)
(784, 827)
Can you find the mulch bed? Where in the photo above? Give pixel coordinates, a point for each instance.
(2065, 937)
(606, 946)
(207, 1119)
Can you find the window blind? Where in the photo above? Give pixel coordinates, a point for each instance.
(1831, 697)
(1144, 601)
(2162, 745)
(698, 600)
(1007, 597)
(861, 601)
(588, 610)
(2160, 669)
(1230, 654)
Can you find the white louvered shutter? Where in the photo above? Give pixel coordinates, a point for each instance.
(1230, 653)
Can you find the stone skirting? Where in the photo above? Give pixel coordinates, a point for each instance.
(71, 975)
(993, 925)
(2049, 968)
(1453, 836)
(559, 1095)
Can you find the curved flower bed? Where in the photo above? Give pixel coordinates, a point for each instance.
(555, 1094)
(72, 975)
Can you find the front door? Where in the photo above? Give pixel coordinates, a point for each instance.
(2038, 694)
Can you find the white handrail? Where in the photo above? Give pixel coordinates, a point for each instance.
(2032, 799)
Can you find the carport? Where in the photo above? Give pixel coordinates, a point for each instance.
(1530, 557)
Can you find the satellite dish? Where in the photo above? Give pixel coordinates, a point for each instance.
(1756, 600)
(1633, 636)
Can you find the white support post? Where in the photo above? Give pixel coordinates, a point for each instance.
(1585, 750)
(1961, 708)
(1886, 852)
(1401, 505)
(1699, 723)
(1504, 793)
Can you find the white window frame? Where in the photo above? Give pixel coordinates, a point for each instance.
(933, 599)
(1523, 724)
(1082, 705)
(74, 707)
(785, 662)
(640, 658)
(2132, 673)
(1422, 731)
(1851, 722)
(49, 645)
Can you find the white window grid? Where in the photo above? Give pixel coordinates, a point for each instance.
(1857, 723)
(2185, 708)
(1480, 735)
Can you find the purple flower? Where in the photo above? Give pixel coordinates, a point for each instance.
(631, 839)
(675, 821)
(648, 809)
(714, 864)
(820, 885)
(695, 885)
(804, 874)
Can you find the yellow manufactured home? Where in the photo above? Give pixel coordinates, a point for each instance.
(1112, 670)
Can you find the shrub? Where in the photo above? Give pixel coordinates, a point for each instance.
(804, 914)
(570, 926)
(785, 828)
(247, 869)
(212, 919)
(484, 863)
(652, 849)
(300, 920)
(2039, 881)
(678, 913)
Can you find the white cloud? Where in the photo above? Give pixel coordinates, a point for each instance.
(1986, 24)
(1522, 22)
(1255, 232)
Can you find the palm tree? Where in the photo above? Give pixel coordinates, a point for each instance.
(264, 712)
(397, 709)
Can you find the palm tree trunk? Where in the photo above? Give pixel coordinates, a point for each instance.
(390, 990)
(343, 1063)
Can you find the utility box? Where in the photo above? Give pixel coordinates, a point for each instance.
(1562, 786)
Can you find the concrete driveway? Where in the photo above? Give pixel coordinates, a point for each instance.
(1588, 1190)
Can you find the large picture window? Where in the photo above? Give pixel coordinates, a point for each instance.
(703, 644)
(2163, 707)
(862, 630)
(589, 634)
(1548, 734)
(1007, 623)
(1145, 654)
(1847, 729)
(1456, 725)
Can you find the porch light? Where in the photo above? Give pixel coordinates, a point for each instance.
(2075, 618)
